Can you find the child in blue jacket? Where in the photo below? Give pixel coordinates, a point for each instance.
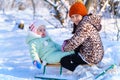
(42, 48)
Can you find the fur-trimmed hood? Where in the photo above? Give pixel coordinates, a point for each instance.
(93, 19)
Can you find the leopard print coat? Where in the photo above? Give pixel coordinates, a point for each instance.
(86, 39)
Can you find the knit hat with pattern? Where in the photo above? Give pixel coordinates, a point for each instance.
(35, 25)
(78, 8)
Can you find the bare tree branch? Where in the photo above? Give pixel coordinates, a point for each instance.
(104, 6)
(64, 5)
(52, 4)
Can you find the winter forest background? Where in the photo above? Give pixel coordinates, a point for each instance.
(58, 9)
(15, 62)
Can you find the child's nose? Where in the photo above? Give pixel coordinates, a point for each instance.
(43, 31)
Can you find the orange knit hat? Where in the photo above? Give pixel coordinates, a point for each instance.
(78, 8)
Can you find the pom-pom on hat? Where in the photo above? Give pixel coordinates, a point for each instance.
(78, 8)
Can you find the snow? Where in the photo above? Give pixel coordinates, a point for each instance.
(15, 61)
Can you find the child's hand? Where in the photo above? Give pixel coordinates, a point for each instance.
(37, 64)
(63, 45)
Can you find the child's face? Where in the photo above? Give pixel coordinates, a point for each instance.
(41, 31)
(76, 18)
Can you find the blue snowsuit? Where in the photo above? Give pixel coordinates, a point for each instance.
(45, 49)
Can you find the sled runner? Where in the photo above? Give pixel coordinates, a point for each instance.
(50, 77)
(101, 74)
(106, 70)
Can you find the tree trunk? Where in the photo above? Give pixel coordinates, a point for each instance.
(71, 2)
(34, 9)
(78, 1)
(58, 15)
(88, 4)
(95, 5)
(13, 3)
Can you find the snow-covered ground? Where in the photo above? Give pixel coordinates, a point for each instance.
(15, 61)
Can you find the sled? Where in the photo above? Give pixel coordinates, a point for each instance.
(51, 77)
(55, 77)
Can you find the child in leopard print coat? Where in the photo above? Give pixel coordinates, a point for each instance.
(86, 41)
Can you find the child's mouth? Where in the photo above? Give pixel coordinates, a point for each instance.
(43, 35)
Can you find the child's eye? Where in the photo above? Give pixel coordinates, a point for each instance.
(44, 30)
(76, 15)
(72, 16)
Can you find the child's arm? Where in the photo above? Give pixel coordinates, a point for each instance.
(78, 38)
(33, 46)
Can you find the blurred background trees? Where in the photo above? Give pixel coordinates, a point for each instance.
(59, 8)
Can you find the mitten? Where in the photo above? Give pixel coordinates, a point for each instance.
(63, 45)
(37, 64)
